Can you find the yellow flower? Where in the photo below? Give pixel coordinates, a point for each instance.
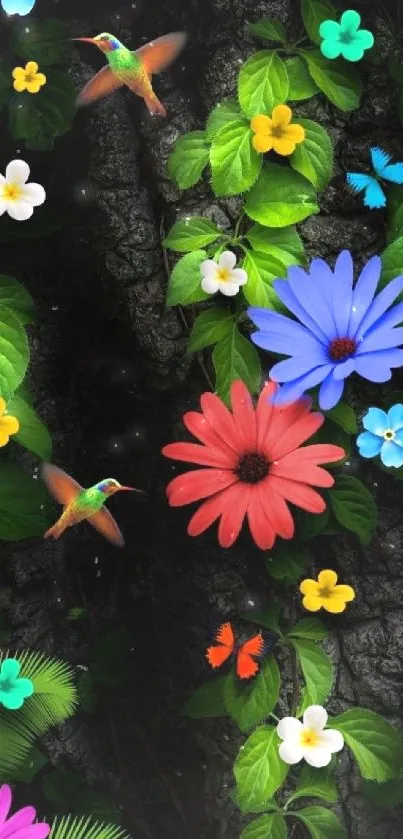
(276, 132)
(325, 593)
(28, 79)
(8, 425)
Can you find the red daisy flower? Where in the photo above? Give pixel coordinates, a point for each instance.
(256, 465)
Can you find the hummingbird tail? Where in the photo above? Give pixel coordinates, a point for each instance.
(56, 530)
(155, 106)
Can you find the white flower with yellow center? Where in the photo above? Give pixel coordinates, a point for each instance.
(17, 197)
(222, 275)
(308, 740)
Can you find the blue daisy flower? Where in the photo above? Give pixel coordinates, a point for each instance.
(383, 435)
(340, 329)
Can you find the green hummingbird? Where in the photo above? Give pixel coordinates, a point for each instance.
(133, 69)
(83, 504)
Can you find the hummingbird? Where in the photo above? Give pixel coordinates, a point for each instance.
(133, 69)
(83, 504)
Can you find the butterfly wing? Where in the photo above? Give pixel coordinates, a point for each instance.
(103, 83)
(393, 173)
(105, 524)
(374, 195)
(63, 488)
(380, 159)
(158, 54)
(252, 649)
(223, 647)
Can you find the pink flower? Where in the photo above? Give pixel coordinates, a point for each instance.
(21, 824)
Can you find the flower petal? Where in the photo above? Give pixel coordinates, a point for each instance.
(25, 687)
(296, 132)
(19, 210)
(317, 756)
(330, 392)
(327, 578)
(290, 300)
(369, 445)
(298, 433)
(221, 420)
(290, 752)
(261, 530)
(197, 424)
(301, 495)
(379, 305)
(209, 268)
(331, 49)
(17, 172)
(391, 454)
(207, 514)
(210, 285)
(204, 455)
(276, 510)
(281, 116)
(233, 513)
(283, 145)
(200, 483)
(329, 29)
(289, 728)
(239, 276)
(395, 417)
(313, 291)
(10, 669)
(315, 716)
(243, 412)
(376, 421)
(352, 51)
(265, 411)
(227, 260)
(376, 366)
(312, 603)
(261, 124)
(228, 289)
(346, 593)
(291, 391)
(34, 193)
(5, 802)
(380, 339)
(343, 291)
(262, 143)
(350, 21)
(363, 293)
(39, 830)
(9, 424)
(21, 819)
(333, 740)
(309, 587)
(334, 604)
(31, 68)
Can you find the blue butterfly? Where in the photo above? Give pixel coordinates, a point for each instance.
(374, 195)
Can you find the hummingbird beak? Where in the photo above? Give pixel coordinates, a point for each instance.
(85, 40)
(131, 489)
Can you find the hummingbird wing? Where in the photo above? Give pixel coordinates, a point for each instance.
(105, 524)
(158, 54)
(63, 488)
(103, 83)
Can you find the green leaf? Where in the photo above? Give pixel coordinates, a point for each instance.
(61, 92)
(84, 827)
(258, 769)
(315, 783)
(24, 505)
(305, 700)
(184, 285)
(15, 298)
(341, 84)
(386, 796)
(311, 628)
(68, 791)
(234, 162)
(14, 352)
(210, 326)
(302, 85)
(76, 614)
(287, 564)
(223, 113)
(268, 618)
(235, 358)
(6, 86)
(54, 700)
(207, 700)
(262, 270)
(249, 704)
(321, 823)
(354, 507)
(280, 197)
(32, 764)
(109, 659)
(262, 83)
(313, 13)
(270, 29)
(392, 262)
(395, 213)
(316, 667)
(271, 825)
(188, 158)
(314, 156)
(37, 122)
(309, 526)
(33, 434)
(344, 416)
(283, 243)
(46, 41)
(374, 742)
(88, 694)
(191, 233)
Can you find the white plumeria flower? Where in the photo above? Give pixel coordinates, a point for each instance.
(222, 275)
(17, 198)
(308, 740)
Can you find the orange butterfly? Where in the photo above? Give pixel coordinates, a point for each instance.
(248, 654)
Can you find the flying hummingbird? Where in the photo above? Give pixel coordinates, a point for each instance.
(83, 504)
(133, 69)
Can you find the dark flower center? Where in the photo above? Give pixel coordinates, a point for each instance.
(342, 348)
(252, 468)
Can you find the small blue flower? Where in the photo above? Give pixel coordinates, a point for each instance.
(383, 435)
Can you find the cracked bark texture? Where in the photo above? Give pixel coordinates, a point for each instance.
(112, 380)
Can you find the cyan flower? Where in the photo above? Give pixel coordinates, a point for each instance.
(345, 38)
(13, 691)
(18, 7)
(383, 435)
(341, 329)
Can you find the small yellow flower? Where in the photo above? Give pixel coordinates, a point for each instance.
(325, 594)
(28, 79)
(8, 425)
(276, 132)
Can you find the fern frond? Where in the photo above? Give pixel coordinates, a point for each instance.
(53, 701)
(84, 827)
